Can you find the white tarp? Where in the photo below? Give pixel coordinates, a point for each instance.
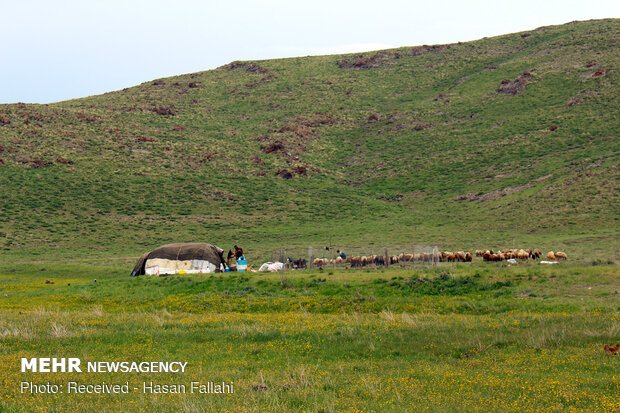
(160, 266)
(272, 266)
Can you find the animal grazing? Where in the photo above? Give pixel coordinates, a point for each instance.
(535, 254)
(320, 262)
(297, 264)
(611, 350)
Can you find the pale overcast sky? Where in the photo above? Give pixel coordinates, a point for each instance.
(58, 50)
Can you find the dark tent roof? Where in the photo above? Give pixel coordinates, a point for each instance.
(182, 251)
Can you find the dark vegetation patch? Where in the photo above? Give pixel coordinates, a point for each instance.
(274, 147)
(422, 125)
(146, 139)
(516, 85)
(290, 140)
(284, 173)
(164, 110)
(37, 163)
(600, 73)
(304, 126)
(301, 170)
(422, 50)
(248, 66)
(257, 160)
(4, 121)
(262, 80)
(368, 62)
(84, 117)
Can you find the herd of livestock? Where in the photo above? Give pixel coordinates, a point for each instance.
(443, 256)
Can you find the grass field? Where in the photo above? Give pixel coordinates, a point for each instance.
(504, 142)
(476, 337)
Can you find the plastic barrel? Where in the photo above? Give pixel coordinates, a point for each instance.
(242, 265)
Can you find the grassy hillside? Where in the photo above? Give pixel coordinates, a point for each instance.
(505, 141)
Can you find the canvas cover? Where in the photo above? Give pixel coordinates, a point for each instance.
(196, 256)
(161, 266)
(272, 266)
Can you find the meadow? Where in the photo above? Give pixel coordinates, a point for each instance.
(503, 142)
(456, 337)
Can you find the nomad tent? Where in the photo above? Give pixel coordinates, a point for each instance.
(191, 257)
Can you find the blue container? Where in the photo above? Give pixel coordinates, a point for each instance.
(242, 265)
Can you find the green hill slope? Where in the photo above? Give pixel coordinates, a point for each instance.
(510, 140)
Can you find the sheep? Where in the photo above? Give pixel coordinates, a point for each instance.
(356, 261)
(320, 262)
(551, 256)
(561, 255)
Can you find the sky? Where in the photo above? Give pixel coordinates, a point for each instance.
(54, 50)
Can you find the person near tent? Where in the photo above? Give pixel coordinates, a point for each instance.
(238, 253)
(230, 258)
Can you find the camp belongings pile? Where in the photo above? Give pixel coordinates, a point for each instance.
(180, 258)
